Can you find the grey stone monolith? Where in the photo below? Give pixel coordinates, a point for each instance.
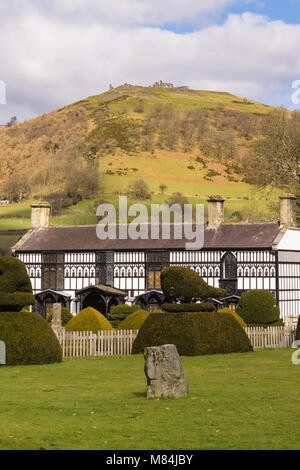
(164, 372)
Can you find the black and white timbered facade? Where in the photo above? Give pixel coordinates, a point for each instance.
(63, 261)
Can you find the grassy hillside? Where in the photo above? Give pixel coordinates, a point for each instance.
(178, 141)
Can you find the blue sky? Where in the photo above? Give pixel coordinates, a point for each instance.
(287, 11)
(284, 10)
(60, 51)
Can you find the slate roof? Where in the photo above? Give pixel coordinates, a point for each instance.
(84, 238)
(105, 289)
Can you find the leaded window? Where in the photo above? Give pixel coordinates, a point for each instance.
(229, 266)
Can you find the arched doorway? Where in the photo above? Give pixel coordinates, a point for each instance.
(45, 301)
(100, 297)
(96, 301)
(154, 303)
(150, 300)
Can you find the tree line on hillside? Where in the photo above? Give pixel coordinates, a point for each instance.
(263, 149)
(61, 180)
(276, 154)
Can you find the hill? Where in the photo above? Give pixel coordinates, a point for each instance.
(195, 143)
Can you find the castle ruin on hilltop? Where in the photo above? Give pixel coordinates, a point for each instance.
(161, 84)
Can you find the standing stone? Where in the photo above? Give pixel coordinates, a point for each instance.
(164, 372)
(2, 353)
(56, 317)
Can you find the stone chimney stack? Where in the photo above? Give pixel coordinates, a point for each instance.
(215, 211)
(288, 210)
(40, 215)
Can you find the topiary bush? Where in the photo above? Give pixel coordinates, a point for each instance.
(258, 307)
(184, 285)
(15, 285)
(193, 333)
(234, 314)
(118, 313)
(89, 319)
(66, 316)
(27, 336)
(203, 307)
(134, 321)
(28, 339)
(266, 325)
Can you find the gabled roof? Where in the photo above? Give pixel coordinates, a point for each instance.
(290, 240)
(52, 291)
(84, 238)
(103, 288)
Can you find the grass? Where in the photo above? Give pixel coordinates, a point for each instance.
(181, 100)
(236, 401)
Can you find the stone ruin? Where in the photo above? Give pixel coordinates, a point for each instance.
(162, 84)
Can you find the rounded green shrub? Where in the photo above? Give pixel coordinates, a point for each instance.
(66, 316)
(15, 285)
(29, 339)
(192, 307)
(89, 319)
(118, 313)
(134, 321)
(193, 333)
(123, 309)
(258, 307)
(234, 314)
(184, 285)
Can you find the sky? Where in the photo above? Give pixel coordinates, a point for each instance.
(55, 52)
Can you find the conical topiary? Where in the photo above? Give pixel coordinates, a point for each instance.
(89, 319)
(29, 339)
(27, 336)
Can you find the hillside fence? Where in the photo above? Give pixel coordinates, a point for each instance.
(119, 342)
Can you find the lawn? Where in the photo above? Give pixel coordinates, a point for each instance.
(236, 401)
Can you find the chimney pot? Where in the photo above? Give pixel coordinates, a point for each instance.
(288, 210)
(215, 211)
(40, 215)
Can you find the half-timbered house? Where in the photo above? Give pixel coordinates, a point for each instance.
(72, 266)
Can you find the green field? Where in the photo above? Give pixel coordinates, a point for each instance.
(253, 205)
(236, 401)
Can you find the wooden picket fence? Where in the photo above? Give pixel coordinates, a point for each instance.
(118, 342)
(271, 337)
(104, 343)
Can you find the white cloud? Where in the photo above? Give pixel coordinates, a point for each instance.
(153, 12)
(48, 63)
(120, 12)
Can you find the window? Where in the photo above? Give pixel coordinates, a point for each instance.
(154, 280)
(229, 266)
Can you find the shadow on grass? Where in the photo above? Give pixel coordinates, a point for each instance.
(139, 394)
